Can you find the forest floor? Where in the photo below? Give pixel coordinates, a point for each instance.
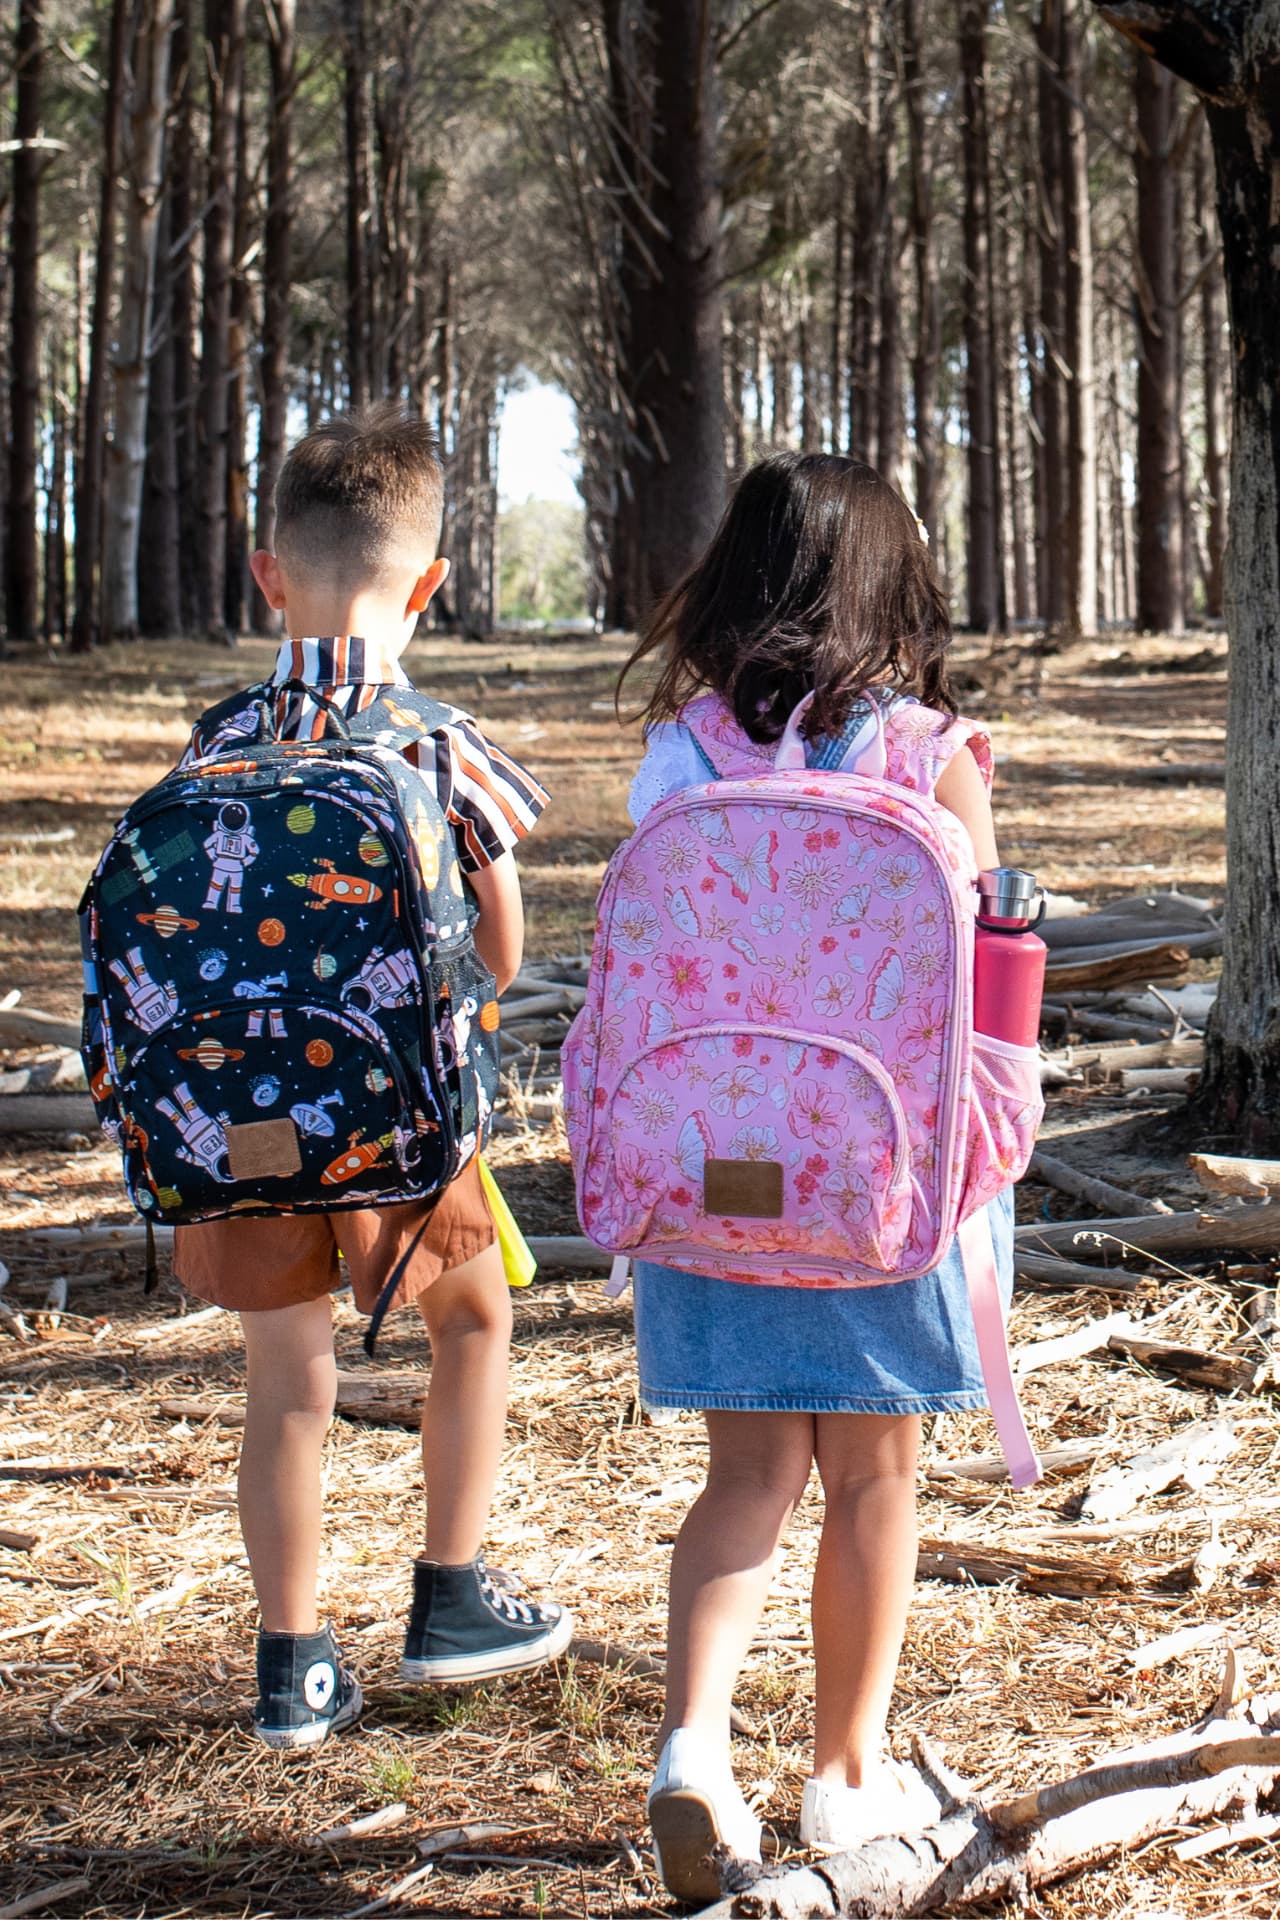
(132, 1783)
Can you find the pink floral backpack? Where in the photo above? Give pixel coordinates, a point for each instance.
(775, 1077)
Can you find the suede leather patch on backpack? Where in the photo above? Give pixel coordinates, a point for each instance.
(259, 1149)
(747, 1189)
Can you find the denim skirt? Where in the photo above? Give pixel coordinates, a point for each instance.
(904, 1348)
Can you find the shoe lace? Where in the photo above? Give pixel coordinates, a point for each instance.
(512, 1609)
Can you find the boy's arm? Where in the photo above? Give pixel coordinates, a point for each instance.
(499, 932)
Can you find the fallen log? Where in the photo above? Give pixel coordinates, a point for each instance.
(1158, 1080)
(377, 1399)
(1192, 1456)
(1068, 1576)
(1070, 1346)
(66, 1071)
(1046, 1273)
(1217, 1372)
(1227, 1173)
(1164, 1233)
(1085, 1186)
(1163, 960)
(1124, 922)
(967, 1858)
(1104, 1024)
(1157, 1053)
(1070, 1458)
(24, 1027)
(47, 1113)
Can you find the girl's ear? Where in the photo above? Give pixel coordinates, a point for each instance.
(427, 584)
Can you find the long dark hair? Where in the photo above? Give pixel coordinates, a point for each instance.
(816, 581)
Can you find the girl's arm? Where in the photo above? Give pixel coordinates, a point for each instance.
(962, 791)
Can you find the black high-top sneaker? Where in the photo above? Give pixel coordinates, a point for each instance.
(304, 1691)
(464, 1625)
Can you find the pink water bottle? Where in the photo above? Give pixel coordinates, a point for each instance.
(1008, 956)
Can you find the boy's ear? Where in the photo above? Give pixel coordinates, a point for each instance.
(265, 569)
(427, 584)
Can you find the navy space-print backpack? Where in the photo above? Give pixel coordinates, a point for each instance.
(284, 1008)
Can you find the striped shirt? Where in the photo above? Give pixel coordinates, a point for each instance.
(490, 801)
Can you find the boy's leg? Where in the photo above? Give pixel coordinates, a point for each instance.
(468, 1316)
(292, 1382)
(862, 1584)
(725, 1557)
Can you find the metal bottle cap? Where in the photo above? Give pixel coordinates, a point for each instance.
(1006, 893)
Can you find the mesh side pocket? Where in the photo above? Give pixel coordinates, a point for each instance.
(1004, 1117)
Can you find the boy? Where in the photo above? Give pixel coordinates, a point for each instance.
(358, 511)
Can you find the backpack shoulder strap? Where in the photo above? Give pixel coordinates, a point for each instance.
(921, 743)
(726, 748)
(400, 716)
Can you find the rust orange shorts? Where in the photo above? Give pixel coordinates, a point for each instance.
(253, 1265)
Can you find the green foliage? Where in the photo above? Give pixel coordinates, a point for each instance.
(543, 562)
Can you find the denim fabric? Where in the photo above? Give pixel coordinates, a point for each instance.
(905, 1348)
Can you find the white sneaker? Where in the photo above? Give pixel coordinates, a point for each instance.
(694, 1805)
(895, 1801)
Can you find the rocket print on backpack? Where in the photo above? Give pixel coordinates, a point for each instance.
(284, 1008)
(775, 1076)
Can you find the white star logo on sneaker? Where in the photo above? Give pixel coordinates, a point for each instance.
(319, 1684)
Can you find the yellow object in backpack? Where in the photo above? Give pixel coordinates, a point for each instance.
(517, 1261)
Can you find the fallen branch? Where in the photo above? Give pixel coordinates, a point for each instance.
(993, 1466)
(1226, 1173)
(47, 1113)
(1159, 960)
(1085, 1186)
(24, 1027)
(1192, 1455)
(1218, 1372)
(1070, 1577)
(1167, 1233)
(1071, 1346)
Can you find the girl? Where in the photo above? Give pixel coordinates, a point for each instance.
(816, 582)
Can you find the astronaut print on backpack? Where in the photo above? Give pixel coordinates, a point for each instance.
(284, 1008)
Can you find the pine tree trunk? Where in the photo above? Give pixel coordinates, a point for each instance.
(277, 238)
(127, 449)
(239, 321)
(160, 608)
(986, 612)
(355, 91)
(90, 466)
(1212, 321)
(677, 388)
(21, 584)
(185, 200)
(1052, 490)
(224, 25)
(1159, 429)
(836, 366)
(889, 358)
(55, 539)
(1232, 53)
(1081, 587)
(927, 348)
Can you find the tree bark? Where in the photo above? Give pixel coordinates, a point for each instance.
(1051, 490)
(159, 588)
(225, 27)
(126, 451)
(927, 346)
(355, 100)
(985, 594)
(1212, 324)
(54, 621)
(1231, 54)
(674, 378)
(277, 239)
(1160, 596)
(184, 205)
(90, 465)
(239, 320)
(1081, 588)
(21, 588)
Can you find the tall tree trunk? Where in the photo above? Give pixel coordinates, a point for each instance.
(21, 585)
(91, 463)
(55, 537)
(239, 321)
(355, 99)
(889, 360)
(1160, 596)
(224, 26)
(837, 368)
(1230, 50)
(986, 611)
(281, 20)
(927, 347)
(1052, 491)
(676, 389)
(1212, 322)
(1081, 591)
(160, 608)
(126, 451)
(185, 201)
(866, 235)
(397, 80)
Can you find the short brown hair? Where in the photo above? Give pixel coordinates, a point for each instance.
(360, 494)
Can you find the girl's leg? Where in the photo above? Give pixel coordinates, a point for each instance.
(862, 1585)
(468, 1316)
(725, 1557)
(291, 1381)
